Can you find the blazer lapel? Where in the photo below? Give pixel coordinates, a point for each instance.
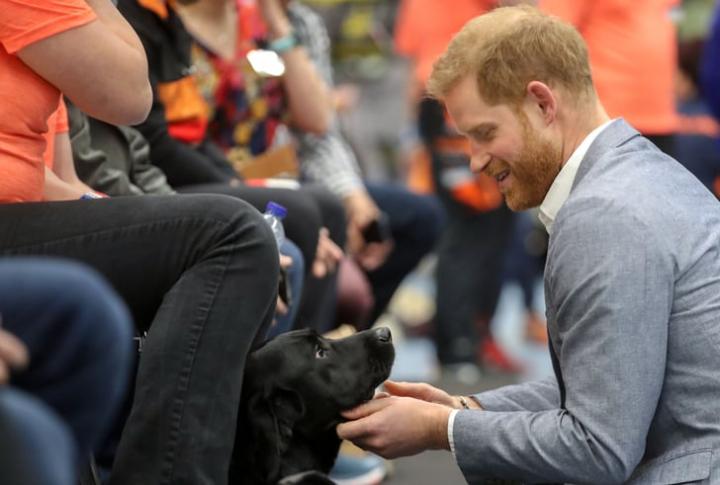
(616, 134)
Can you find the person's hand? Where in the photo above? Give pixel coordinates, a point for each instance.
(373, 255)
(13, 355)
(361, 211)
(396, 426)
(428, 393)
(327, 255)
(422, 391)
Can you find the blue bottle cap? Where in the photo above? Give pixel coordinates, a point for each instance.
(276, 209)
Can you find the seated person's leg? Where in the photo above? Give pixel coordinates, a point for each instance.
(36, 446)
(78, 334)
(303, 220)
(200, 272)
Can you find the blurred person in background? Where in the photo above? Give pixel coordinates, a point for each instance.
(203, 125)
(369, 78)
(710, 74)
(633, 56)
(696, 145)
(478, 226)
(190, 266)
(256, 114)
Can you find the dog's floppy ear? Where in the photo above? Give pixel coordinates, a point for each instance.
(274, 414)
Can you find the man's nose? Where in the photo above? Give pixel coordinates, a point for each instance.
(479, 160)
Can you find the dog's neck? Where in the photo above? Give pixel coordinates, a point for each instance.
(317, 452)
(307, 451)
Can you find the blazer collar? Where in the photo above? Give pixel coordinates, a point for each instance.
(616, 134)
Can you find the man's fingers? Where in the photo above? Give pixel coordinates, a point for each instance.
(408, 389)
(351, 430)
(366, 409)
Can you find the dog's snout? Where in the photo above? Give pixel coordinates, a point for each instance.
(383, 334)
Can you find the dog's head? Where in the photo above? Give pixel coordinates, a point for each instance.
(295, 388)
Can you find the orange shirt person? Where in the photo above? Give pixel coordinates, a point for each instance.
(633, 57)
(424, 29)
(35, 50)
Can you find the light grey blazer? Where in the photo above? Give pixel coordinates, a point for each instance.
(632, 285)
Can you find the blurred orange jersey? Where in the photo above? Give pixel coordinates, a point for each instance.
(26, 99)
(424, 28)
(633, 55)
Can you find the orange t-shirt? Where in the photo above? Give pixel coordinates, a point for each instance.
(57, 124)
(424, 28)
(26, 99)
(632, 54)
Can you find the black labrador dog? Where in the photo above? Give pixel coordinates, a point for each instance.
(295, 387)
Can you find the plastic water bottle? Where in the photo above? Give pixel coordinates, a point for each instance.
(274, 214)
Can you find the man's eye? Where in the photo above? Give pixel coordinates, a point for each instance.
(320, 353)
(483, 135)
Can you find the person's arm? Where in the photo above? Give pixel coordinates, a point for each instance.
(62, 182)
(56, 188)
(63, 165)
(309, 97)
(540, 395)
(101, 66)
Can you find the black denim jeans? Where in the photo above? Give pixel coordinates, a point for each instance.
(200, 273)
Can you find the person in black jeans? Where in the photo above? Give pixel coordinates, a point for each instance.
(200, 275)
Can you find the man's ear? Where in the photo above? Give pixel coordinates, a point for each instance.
(274, 415)
(543, 101)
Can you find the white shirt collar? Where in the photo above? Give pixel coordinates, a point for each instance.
(560, 188)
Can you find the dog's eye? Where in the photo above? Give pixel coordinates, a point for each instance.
(320, 353)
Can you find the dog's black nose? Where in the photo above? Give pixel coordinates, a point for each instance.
(383, 334)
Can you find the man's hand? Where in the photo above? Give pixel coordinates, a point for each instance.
(13, 355)
(428, 393)
(397, 426)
